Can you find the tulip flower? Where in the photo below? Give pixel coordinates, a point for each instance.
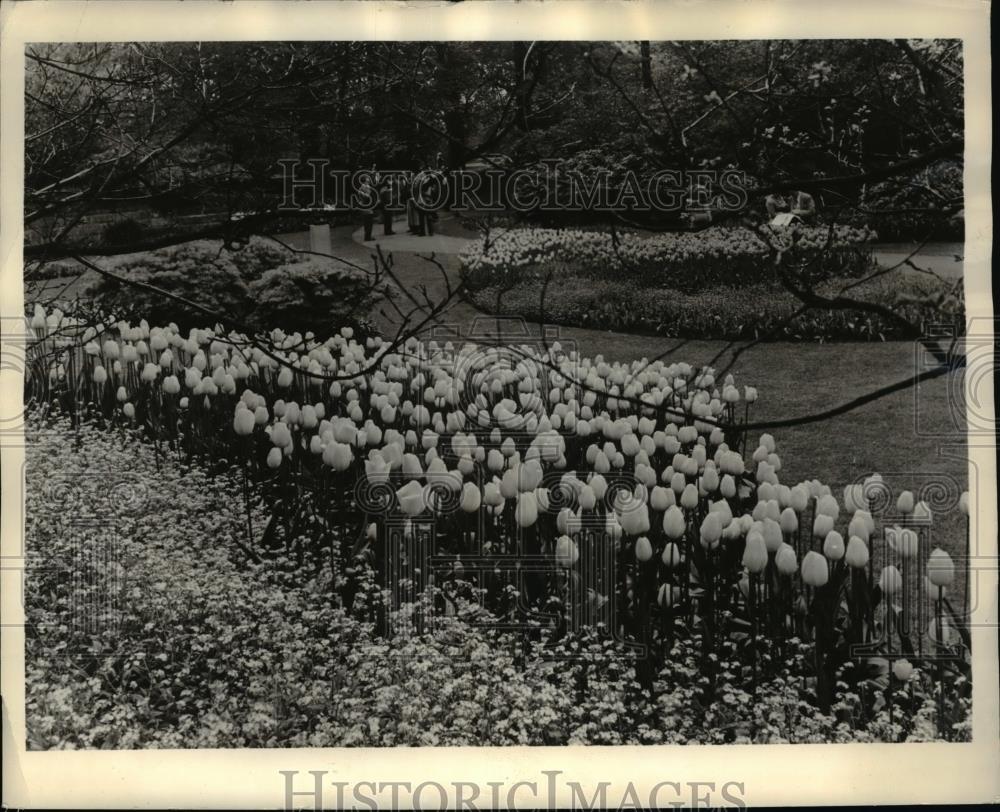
(566, 552)
(822, 525)
(905, 503)
(674, 524)
(338, 456)
(411, 498)
(800, 498)
(280, 435)
(471, 498)
(526, 511)
(755, 554)
(902, 670)
(376, 468)
(710, 531)
(773, 538)
(890, 581)
(661, 498)
(833, 546)
(815, 571)
(243, 422)
(856, 554)
(940, 569)
(634, 518)
(643, 549)
(826, 505)
(789, 521)
(727, 487)
(785, 560)
(274, 458)
(858, 527)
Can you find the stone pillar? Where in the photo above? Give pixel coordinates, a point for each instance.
(319, 240)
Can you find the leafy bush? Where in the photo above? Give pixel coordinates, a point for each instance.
(199, 272)
(261, 284)
(917, 210)
(311, 296)
(686, 262)
(258, 255)
(721, 313)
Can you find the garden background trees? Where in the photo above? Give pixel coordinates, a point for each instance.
(186, 136)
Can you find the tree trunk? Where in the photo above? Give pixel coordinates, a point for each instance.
(646, 62)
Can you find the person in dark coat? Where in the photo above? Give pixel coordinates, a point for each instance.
(385, 206)
(775, 204)
(412, 212)
(804, 207)
(367, 200)
(429, 193)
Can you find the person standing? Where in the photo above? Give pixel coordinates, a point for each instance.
(386, 201)
(367, 199)
(775, 204)
(804, 207)
(412, 212)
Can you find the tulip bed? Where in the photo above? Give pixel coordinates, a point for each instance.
(719, 313)
(688, 262)
(718, 283)
(507, 544)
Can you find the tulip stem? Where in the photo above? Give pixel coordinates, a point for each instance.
(246, 498)
(753, 632)
(939, 629)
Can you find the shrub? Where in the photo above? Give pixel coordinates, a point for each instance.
(686, 261)
(916, 210)
(197, 271)
(311, 296)
(259, 255)
(261, 284)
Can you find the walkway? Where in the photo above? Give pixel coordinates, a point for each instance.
(402, 240)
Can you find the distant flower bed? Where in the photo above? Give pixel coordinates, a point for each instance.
(685, 262)
(721, 313)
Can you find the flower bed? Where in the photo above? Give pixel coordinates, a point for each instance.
(720, 313)
(203, 648)
(686, 262)
(629, 488)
